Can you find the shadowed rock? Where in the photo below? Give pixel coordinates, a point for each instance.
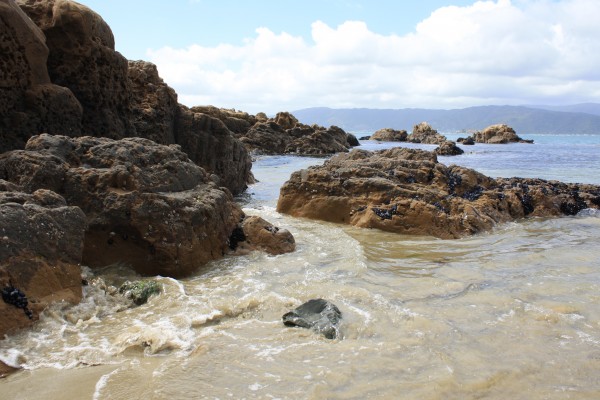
(319, 315)
(448, 148)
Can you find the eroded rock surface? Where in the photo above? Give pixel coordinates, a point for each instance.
(407, 191)
(147, 205)
(41, 242)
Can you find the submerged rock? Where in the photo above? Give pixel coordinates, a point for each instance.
(408, 191)
(319, 315)
(140, 291)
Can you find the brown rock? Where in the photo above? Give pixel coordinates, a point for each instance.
(209, 143)
(262, 235)
(390, 135)
(424, 133)
(28, 99)
(41, 242)
(407, 191)
(285, 135)
(83, 59)
(498, 134)
(448, 148)
(146, 204)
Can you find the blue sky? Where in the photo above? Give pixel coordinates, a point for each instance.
(279, 55)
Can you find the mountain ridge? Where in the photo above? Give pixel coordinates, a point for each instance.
(524, 119)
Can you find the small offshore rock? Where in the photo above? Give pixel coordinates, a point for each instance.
(140, 291)
(319, 315)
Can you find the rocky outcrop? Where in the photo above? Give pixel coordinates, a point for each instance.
(424, 133)
(390, 135)
(29, 101)
(285, 135)
(498, 134)
(448, 148)
(41, 242)
(147, 205)
(407, 191)
(61, 75)
(320, 315)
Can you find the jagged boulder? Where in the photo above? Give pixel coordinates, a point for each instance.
(424, 133)
(146, 204)
(407, 191)
(448, 148)
(498, 134)
(390, 135)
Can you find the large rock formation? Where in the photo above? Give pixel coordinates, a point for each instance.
(147, 205)
(407, 191)
(63, 76)
(498, 134)
(390, 135)
(424, 133)
(41, 242)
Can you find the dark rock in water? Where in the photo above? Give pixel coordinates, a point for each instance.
(352, 140)
(365, 138)
(448, 148)
(139, 292)
(319, 315)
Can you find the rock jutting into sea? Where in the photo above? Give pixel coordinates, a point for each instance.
(389, 135)
(283, 134)
(424, 133)
(408, 191)
(498, 134)
(448, 148)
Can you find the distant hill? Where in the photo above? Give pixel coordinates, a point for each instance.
(588, 108)
(523, 119)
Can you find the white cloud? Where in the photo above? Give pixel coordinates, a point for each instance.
(493, 52)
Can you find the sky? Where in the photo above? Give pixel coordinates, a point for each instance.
(285, 55)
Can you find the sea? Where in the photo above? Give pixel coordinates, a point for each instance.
(509, 314)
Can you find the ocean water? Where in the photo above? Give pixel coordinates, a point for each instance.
(509, 314)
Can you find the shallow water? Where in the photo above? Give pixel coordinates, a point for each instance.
(514, 313)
